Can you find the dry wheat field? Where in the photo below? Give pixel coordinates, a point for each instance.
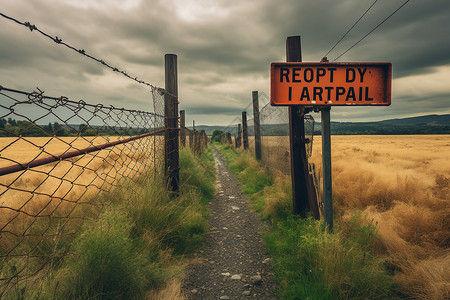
(40, 205)
(85, 174)
(402, 184)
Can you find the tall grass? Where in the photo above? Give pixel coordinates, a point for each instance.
(402, 184)
(137, 244)
(310, 263)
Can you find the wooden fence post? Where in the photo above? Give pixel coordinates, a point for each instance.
(256, 125)
(303, 194)
(238, 136)
(172, 170)
(191, 139)
(183, 128)
(201, 141)
(244, 130)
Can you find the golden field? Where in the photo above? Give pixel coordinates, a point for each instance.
(400, 183)
(68, 179)
(40, 205)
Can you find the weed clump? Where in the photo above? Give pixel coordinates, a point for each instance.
(105, 264)
(314, 264)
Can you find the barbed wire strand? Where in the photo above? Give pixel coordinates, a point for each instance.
(348, 31)
(79, 51)
(370, 32)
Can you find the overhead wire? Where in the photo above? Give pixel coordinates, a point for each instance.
(360, 18)
(370, 32)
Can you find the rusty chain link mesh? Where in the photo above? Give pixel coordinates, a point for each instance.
(275, 148)
(57, 158)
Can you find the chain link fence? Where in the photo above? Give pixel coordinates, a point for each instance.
(275, 147)
(57, 159)
(275, 141)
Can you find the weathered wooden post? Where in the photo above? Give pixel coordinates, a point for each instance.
(256, 125)
(299, 167)
(238, 136)
(171, 123)
(182, 128)
(201, 141)
(191, 139)
(229, 141)
(244, 130)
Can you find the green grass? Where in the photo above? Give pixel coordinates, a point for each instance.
(107, 263)
(310, 263)
(137, 243)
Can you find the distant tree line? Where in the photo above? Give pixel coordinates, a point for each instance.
(10, 127)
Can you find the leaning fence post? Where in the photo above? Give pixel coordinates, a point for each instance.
(172, 170)
(244, 130)
(256, 125)
(183, 128)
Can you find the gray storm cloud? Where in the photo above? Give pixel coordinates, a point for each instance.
(224, 50)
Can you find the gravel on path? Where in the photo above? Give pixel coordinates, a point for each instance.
(232, 263)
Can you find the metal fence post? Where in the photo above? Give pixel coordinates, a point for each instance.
(256, 125)
(171, 123)
(244, 130)
(326, 165)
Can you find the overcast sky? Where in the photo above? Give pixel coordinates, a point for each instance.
(224, 48)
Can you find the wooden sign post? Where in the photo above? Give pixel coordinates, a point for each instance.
(318, 86)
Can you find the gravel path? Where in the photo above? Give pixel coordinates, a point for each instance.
(232, 263)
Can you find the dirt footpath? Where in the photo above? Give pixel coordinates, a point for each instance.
(232, 264)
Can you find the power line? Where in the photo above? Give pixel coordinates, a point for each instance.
(337, 43)
(360, 40)
(80, 51)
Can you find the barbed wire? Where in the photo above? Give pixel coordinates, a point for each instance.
(83, 52)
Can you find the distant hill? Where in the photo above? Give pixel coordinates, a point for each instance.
(428, 120)
(429, 124)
